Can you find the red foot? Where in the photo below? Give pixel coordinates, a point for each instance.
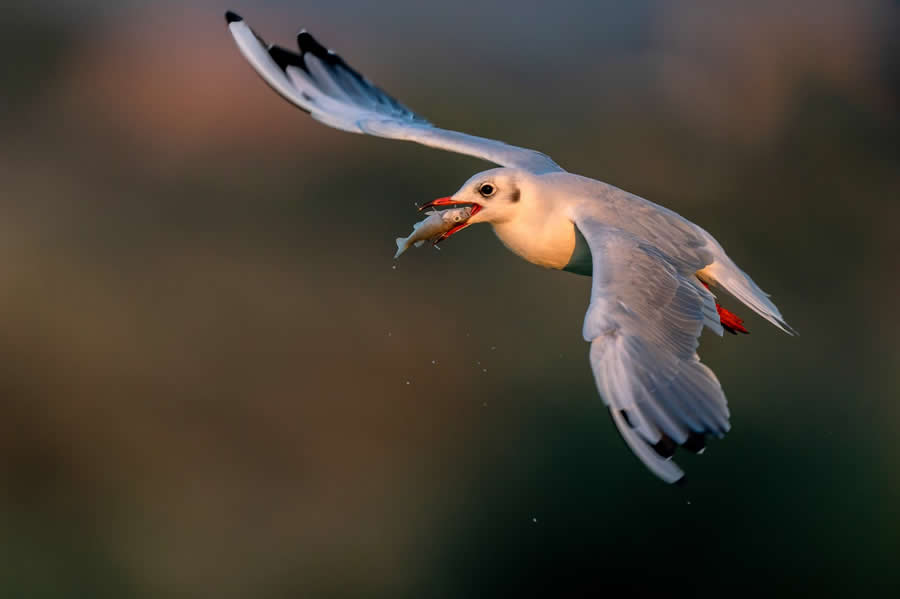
(730, 321)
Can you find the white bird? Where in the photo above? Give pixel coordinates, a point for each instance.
(651, 268)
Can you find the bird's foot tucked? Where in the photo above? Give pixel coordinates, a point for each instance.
(730, 321)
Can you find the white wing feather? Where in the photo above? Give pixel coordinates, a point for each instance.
(643, 322)
(318, 81)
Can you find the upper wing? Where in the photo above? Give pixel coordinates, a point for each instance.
(318, 81)
(645, 317)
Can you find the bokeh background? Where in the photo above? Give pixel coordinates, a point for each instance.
(217, 383)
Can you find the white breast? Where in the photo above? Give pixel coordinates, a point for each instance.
(543, 237)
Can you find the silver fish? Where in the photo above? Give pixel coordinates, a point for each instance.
(433, 227)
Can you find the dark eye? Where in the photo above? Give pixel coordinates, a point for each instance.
(486, 190)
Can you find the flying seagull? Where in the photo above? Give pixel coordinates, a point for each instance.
(652, 269)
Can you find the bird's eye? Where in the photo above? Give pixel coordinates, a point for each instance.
(487, 190)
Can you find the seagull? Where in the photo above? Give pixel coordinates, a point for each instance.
(652, 270)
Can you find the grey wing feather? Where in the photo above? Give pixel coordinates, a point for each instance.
(643, 323)
(319, 82)
(686, 245)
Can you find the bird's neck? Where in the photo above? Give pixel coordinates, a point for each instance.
(544, 236)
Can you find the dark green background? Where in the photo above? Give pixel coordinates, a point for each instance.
(205, 347)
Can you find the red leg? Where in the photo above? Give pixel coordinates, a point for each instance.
(730, 321)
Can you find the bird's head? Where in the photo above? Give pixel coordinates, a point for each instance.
(496, 196)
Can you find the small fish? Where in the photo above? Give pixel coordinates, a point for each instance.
(433, 227)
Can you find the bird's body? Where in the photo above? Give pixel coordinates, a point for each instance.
(544, 233)
(651, 268)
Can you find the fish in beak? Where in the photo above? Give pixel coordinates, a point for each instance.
(432, 228)
(449, 201)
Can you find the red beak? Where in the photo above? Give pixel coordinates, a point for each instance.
(449, 201)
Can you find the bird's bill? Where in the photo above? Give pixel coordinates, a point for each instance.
(449, 201)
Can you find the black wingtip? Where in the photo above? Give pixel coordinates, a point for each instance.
(665, 448)
(285, 58)
(696, 442)
(232, 17)
(310, 44)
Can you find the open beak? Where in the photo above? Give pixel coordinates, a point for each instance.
(449, 201)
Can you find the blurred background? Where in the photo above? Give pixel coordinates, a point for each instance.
(216, 381)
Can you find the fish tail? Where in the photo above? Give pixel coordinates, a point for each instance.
(401, 247)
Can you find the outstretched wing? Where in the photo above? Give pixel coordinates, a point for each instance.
(318, 81)
(643, 323)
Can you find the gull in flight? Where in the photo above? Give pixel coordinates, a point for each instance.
(651, 269)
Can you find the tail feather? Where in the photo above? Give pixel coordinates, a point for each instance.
(725, 273)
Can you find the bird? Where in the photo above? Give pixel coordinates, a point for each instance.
(652, 270)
